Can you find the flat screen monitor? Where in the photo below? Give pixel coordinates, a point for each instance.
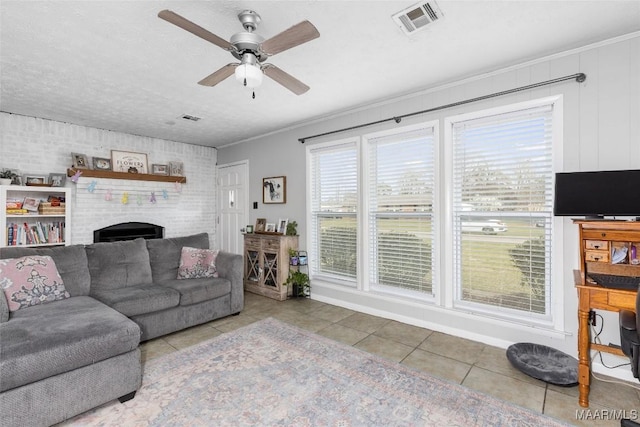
(597, 194)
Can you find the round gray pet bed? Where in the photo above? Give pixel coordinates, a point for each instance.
(544, 363)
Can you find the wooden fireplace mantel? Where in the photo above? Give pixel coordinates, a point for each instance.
(93, 173)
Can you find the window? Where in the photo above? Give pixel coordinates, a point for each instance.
(400, 209)
(334, 201)
(502, 209)
(463, 222)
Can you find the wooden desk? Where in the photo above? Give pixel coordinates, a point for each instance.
(598, 239)
(596, 298)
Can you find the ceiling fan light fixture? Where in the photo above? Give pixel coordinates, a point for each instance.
(249, 75)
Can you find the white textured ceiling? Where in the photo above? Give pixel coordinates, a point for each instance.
(115, 65)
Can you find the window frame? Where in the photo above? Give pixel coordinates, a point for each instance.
(555, 316)
(366, 248)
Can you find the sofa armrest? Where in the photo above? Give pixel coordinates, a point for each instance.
(4, 308)
(230, 267)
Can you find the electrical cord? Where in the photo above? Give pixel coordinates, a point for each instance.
(596, 339)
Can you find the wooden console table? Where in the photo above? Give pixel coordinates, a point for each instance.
(597, 238)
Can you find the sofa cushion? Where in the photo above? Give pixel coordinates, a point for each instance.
(71, 262)
(197, 263)
(164, 254)
(134, 300)
(115, 265)
(193, 291)
(31, 280)
(50, 339)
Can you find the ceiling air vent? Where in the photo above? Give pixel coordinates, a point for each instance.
(417, 17)
(189, 117)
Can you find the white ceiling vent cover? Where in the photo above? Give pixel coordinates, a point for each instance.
(417, 17)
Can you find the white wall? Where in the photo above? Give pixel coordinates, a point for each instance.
(601, 131)
(39, 146)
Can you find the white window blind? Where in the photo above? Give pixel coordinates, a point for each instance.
(502, 210)
(334, 199)
(400, 209)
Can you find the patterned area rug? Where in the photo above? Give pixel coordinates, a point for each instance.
(270, 373)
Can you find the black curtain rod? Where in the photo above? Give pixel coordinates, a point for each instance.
(579, 77)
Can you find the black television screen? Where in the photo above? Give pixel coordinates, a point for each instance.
(597, 194)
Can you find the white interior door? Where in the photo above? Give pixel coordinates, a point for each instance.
(233, 205)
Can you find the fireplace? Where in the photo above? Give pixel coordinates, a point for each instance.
(128, 231)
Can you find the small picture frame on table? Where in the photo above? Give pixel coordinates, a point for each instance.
(129, 162)
(80, 161)
(271, 227)
(57, 179)
(36, 180)
(158, 169)
(101, 164)
(249, 229)
(282, 225)
(261, 224)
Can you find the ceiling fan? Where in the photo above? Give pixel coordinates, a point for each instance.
(251, 49)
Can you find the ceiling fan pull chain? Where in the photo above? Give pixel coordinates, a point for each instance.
(254, 95)
(245, 81)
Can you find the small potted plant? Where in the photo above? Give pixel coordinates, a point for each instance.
(292, 228)
(7, 176)
(300, 284)
(293, 256)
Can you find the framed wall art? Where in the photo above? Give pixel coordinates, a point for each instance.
(274, 190)
(127, 161)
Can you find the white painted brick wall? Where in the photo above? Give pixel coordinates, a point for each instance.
(39, 146)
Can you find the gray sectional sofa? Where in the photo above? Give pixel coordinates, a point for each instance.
(65, 357)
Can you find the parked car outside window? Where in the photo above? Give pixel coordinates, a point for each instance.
(482, 225)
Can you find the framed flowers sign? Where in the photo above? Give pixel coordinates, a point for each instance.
(126, 161)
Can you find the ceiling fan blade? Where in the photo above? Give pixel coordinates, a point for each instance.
(219, 75)
(185, 24)
(292, 37)
(285, 79)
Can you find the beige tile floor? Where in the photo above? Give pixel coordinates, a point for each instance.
(474, 365)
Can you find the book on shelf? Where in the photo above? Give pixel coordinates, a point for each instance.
(36, 233)
(17, 211)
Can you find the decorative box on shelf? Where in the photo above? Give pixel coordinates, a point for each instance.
(48, 208)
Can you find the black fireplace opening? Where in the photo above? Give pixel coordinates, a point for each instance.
(128, 231)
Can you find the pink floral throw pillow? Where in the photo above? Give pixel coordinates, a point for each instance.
(197, 263)
(31, 280)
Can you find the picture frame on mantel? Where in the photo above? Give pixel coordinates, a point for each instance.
(129, 162)
(274, 190)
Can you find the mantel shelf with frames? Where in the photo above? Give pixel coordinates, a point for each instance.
(93, 173)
